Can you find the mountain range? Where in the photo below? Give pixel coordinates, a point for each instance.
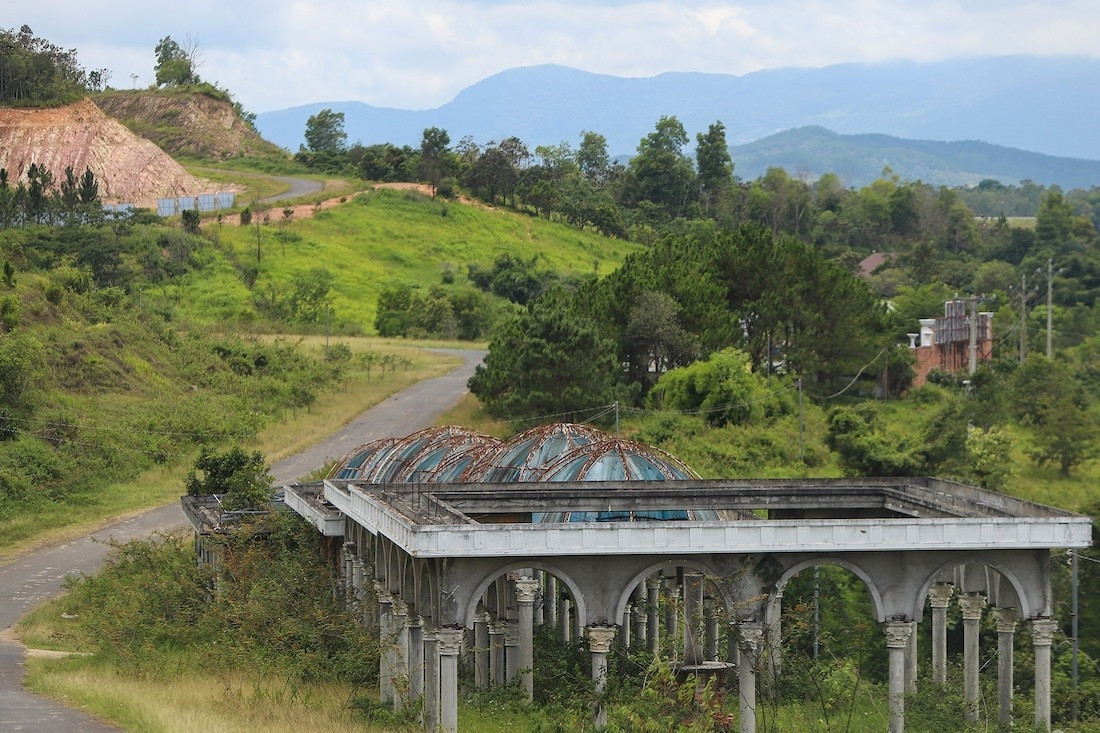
(925, 121)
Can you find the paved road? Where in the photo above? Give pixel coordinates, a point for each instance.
(38, 576)
(298, 187)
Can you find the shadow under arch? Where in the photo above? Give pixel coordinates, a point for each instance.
(978, 558)
(728, 600)
(483, 586)
(872, 589)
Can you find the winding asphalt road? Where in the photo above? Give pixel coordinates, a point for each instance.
(35, 577)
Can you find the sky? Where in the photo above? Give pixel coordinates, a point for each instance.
(418, 54)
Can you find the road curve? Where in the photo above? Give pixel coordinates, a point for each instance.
(298, 187)
(33, 578)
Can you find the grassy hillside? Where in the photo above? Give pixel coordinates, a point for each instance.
(375, 240)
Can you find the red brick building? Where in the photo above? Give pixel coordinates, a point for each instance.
(944, 343)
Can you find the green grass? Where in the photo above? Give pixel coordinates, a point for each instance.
(380, 239)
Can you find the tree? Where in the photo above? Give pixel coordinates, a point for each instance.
(549, 359)
(240, 478)
(660, 172)
(715, 167)
(433, 155)
(325, 132)
(177, 65)
(592, 158)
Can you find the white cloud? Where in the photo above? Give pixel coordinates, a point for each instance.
(420, 53)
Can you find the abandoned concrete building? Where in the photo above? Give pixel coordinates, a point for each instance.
(456, 545)
(957, 342)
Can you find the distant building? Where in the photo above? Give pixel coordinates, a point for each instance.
(944, 343)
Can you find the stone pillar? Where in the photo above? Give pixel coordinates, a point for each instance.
(526, 590)
(1006, 632)
(773, 642)
(511, 651)
(626, 627)
(496, 652)
(672, 614)
(653, 604)
(939, 597)
(897, 641)
(599, 644)
(431, 680)
(450, 641)
(750, 635)
(971, 605)
(399, 648)
(481, 650)
(1042, 631)
(550, 600)
(540, 599)
(566, 622)
(710, 637)
(641, 625)
(693, 618)
(385, 642)
(416, 658)
(911, 662)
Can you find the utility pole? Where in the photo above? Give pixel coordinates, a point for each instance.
(972, 303)
(1023, 318)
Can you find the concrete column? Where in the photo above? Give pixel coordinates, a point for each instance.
(385, 643)
(672, 614)
(750, 636)
(481, 650)
(599, 644)
(1006, 632)
(939, 597)
(693, 618)
(710, 636)
(653, 604)
(450, 641)
(641, 625)
(773, 642)
(626, 627)
(897, 641)
(511, 651)
(496, 652)
(526, 590)
(416, 658)
(540, 599)
(972, 605)
(431, 680)
(550, 601)
(400, 651)
(565, 621)
(1042, 631)
(911, 662)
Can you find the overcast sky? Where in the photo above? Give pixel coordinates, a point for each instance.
(415, 54)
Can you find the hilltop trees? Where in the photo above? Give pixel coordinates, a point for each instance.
(35, 72)
(177, 65)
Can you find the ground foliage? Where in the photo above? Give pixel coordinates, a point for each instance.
(269, 610)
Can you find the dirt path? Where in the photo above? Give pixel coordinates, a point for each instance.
(31, 579)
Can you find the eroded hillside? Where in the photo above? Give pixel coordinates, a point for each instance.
(187, 124)
(129, 168)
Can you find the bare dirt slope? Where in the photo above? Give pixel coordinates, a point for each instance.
(129, 168)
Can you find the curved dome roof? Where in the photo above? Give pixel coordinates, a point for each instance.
(615, 459)
(524, 456)
(556, 452)
(408, 459)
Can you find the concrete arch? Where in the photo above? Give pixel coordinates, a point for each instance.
(872, 588)
(489, 578)
(628, 589)
(1025, 610)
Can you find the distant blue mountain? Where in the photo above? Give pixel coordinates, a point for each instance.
(1040, 104)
